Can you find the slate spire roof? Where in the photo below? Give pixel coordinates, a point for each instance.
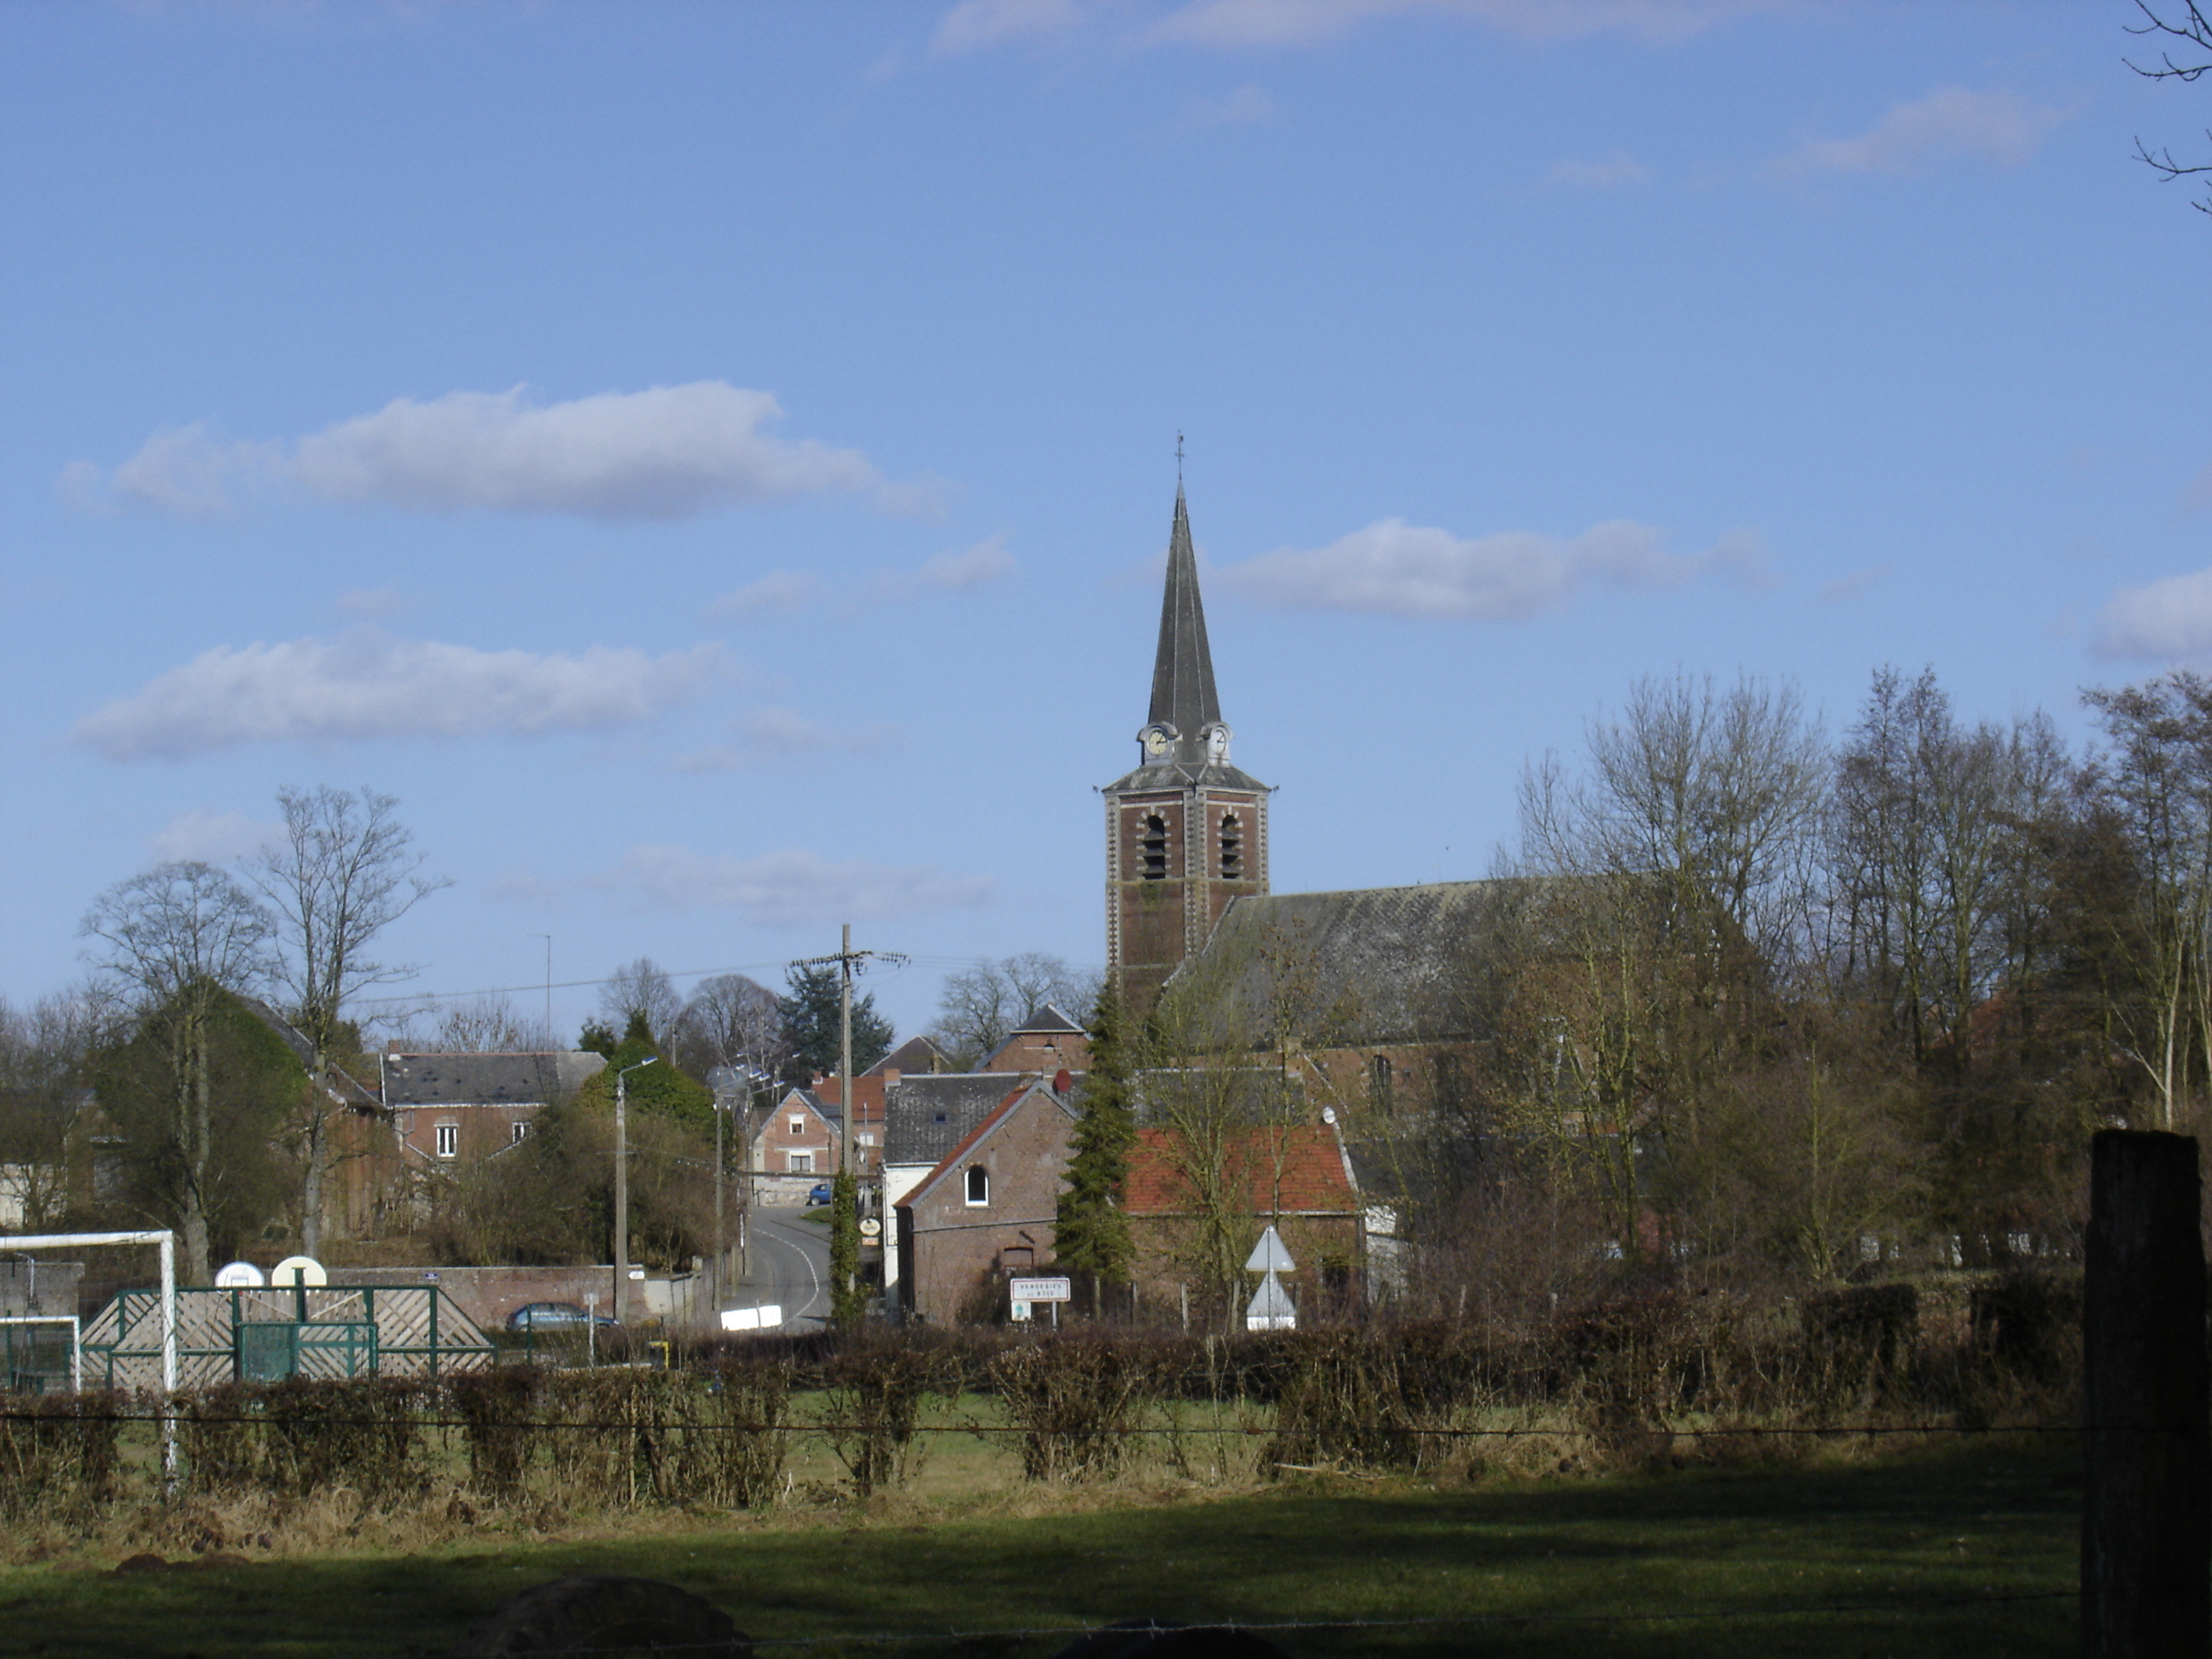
(1183, 697)
(1183, 671)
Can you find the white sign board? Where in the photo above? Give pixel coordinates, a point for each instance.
(1270, 1308)
(1037, 1290)
(1019, 1312)
(1269, 1255)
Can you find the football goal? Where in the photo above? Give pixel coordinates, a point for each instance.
(48, 1281)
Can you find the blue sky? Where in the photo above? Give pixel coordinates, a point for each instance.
(713, 462)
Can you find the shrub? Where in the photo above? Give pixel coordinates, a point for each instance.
(1078, 1401)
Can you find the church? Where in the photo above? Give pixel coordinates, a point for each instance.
(1358, 996)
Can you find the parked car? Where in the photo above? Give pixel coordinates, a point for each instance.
(822, 1192)
(553, 1316)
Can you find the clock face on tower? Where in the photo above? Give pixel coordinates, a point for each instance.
(1156, 741)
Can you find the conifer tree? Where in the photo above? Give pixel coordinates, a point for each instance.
(1092, 1232)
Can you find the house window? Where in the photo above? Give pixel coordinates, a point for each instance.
(517, 1132)
(799, 1126)
(979, 1187)
(1232, 847)
(1378, 1082)
(449, 1140)
(868, 1138)
(1155, 847)
(801, 1163)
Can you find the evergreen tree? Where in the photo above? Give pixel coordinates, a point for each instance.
(1092, 1232)
(810, 1018)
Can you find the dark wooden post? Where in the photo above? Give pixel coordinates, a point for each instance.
(2147, 1497)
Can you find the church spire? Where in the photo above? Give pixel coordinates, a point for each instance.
(1183, 696)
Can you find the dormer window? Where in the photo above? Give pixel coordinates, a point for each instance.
(979, 1187)
(1154, 848)
(1232, 847)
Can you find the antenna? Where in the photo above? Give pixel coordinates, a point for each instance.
(1178, 460)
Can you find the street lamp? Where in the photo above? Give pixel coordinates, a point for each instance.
(621, 1187)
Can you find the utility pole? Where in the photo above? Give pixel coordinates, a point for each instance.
(849, 962)
(621, 1186)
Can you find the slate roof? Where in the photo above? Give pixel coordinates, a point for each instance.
(927, 1116)
(991, 1119)
(1365, 968)
(486, 1080)
(916, 1054)
(1182, 668)
(1298, 1170)
(1183, 694)
(1047, 1018)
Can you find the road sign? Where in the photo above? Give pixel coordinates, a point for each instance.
(870, 1226)
(1270, 1308)
(1269, 1255)
(1038, 1290)
(1018, 1312)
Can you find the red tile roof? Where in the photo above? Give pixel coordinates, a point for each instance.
(1286, 1172)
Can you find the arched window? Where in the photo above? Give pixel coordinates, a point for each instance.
(1155, 847)
(1378, 1082)
(1232, 847)
(978, 1186)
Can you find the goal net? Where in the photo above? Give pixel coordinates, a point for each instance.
(88, 1311)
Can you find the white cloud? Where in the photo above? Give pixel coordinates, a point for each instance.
(974, 24)
(1305, 22)
(1844, 589)
(956, 570)
(766, 736)
(2169, 618)
(666, 452)
(1610, 171)
(790, 888)
(962, 568)
(211, 837)
(1395, 569)
(365, 685)
(1246, 106)
(777, 594)
(1949, 123)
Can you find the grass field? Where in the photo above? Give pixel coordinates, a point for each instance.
(1903, 1556)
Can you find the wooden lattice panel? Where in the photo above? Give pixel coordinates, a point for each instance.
(339, 1331)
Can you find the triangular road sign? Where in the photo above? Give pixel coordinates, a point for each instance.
(1270, 1308)
(1269, 1255)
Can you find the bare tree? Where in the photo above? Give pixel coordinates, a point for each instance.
(731, 1020)
(345, 870)
(981, 1006)
(45, 1054)
(640, 990)
(178, 939)
(2193, 28)
(2160, 777)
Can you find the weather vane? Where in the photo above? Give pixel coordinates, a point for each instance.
(1178, 458)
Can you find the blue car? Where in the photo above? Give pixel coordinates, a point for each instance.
(822, 1192)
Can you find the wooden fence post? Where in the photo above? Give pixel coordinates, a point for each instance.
(2147, 1440)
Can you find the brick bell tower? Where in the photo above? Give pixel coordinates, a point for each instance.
(1185, 832)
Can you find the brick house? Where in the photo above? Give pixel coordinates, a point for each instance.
(985, 1211)
(871, 1091)
(1295, 1177)
(447, 1108)
(1047, 1041)
(801, 1134)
